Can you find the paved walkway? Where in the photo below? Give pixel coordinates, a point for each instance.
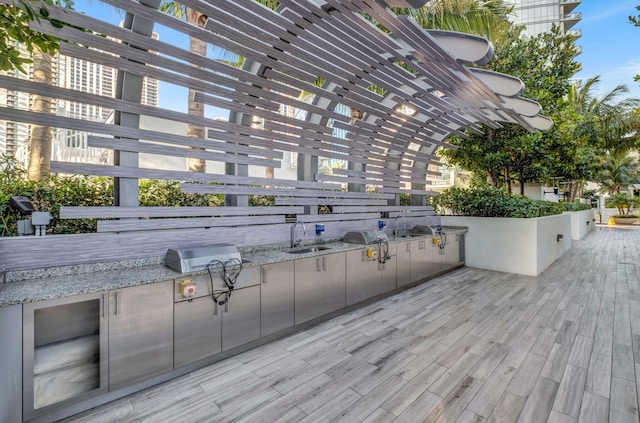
(470, 346)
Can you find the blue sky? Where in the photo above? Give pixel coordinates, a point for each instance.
(609, 44)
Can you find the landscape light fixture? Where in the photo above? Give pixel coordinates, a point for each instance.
(21, 204)
(37, 225)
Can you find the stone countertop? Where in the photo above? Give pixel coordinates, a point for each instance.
(46, 284)
(42, 285)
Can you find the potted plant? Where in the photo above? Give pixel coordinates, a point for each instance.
(624, 203)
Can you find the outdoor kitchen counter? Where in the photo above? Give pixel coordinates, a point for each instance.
(45, 284)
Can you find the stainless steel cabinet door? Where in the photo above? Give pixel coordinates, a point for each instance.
(403, 263)
(11, 371)
(451, 256)
(423, 263)
(140, 333)
(363, 277)
(241, 317)
(65, 352)
(197, 330)
(309, 291)
(276, 292)
(319, 286)
(389, 270)
(334, 273)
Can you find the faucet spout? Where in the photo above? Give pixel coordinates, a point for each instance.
(295, 242)
(395, 224)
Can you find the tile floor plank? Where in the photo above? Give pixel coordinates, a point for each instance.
(469, 346)
(538, 405)
(507, 409)
(570, 391)
(526, 376)
(624, 402)
(595, 409)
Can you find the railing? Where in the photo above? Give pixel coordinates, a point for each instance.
(572, 16)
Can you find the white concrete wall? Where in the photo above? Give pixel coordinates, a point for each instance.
(523, 246)
(553, 239)
(582, 222)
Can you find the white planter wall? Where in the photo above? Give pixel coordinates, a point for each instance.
(582, 222)
(522, 246)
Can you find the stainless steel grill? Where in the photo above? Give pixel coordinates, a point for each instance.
(365, 237)
(193, 259)
(426, 230)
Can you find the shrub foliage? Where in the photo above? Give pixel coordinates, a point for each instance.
(491, 202)
(73, 190)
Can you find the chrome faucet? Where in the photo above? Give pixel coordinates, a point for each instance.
(395, 224)
(295, 242)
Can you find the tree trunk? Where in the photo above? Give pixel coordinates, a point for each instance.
(573, 192)
(196, 46)
(492, 178)
(40, 136)
(522, 189)
(507, 180)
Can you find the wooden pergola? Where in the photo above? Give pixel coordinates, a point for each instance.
(409, 89)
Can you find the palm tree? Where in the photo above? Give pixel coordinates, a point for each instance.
(617, 121)
(197, 46)
(40, 136)
(635, 20)
(618, 171)
(486, 18)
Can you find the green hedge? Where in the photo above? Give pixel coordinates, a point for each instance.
(55, 191)
(575, 206)
(492, 202)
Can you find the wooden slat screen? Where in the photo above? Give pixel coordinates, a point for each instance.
(320, 62)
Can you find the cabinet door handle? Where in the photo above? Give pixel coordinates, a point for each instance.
(408, 247)
(264, 275)
(117, 304)
(104, 306)
(215, 308)
(318, 268)
(324, 263)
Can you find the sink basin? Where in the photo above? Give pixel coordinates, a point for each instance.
(309, 250)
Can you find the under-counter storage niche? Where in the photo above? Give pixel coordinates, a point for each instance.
(65, 352)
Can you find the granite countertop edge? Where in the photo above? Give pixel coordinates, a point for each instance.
(105, 277)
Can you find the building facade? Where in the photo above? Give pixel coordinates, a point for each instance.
(539, 16)
(67, 145)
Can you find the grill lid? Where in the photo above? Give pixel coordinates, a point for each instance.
(365, 237)
(426, 229)
(194, 259)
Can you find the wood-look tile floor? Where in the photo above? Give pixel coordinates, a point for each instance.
(469, 346)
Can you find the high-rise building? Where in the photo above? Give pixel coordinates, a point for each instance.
(14, 134)
(539, 16)
(89, 77)
(74, 74)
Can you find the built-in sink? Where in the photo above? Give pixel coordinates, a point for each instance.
(309, 250)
